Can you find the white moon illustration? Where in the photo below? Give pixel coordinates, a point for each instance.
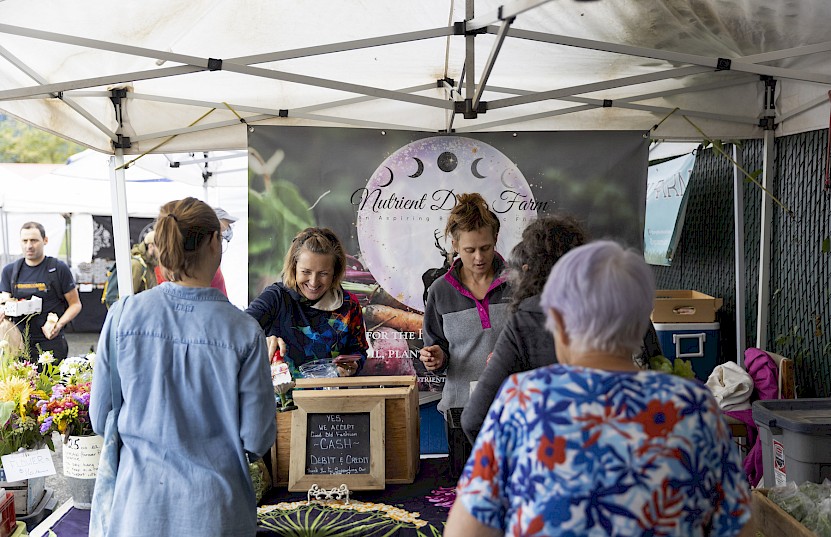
(397, 220)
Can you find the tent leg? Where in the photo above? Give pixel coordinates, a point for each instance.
(121, 224)
(4, 236)
(738, 218)
(763, 313)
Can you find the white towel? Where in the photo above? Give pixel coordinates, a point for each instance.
(731, 386)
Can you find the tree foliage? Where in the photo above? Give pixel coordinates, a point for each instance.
(21, 143)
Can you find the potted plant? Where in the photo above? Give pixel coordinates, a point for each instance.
(67, 412)
(22, 389)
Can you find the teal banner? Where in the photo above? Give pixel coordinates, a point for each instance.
(666, 203)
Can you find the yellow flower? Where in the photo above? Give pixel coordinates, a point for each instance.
(16, 390)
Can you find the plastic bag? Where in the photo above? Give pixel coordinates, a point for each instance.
(793, 501)
(818, 519)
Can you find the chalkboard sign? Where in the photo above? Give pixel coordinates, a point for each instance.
(337, 439)
(338, 444)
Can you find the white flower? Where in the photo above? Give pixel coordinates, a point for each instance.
(91, 359)
(4, 344)
(46, 358)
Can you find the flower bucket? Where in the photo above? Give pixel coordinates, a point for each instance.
(80, 467)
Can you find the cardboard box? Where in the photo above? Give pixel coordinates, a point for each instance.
(16, 308)
(772, 521)
(683, 306)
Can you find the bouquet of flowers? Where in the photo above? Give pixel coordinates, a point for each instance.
(67, 409)
(22, 389)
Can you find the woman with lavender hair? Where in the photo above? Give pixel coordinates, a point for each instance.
(594, 445)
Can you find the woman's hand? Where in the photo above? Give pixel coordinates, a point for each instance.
(274, 343)
(347, 364)
(432, 357)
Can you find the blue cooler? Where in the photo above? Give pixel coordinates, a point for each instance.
(696, 342)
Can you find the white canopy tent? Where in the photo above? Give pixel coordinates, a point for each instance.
(176, 75)
(81, 189)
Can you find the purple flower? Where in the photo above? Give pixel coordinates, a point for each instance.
(46, 425)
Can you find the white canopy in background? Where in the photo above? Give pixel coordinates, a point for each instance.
(399, 65)
(81, 189)
(181, 75)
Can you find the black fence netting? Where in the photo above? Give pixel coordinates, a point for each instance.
(800, 287)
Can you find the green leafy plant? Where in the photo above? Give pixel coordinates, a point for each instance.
(681, 368)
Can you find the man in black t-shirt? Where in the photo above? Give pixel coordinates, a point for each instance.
(48, 278)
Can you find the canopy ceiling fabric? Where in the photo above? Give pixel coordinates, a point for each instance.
(379, 64)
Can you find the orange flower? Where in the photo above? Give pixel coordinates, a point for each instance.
(552, 452)
(484, 465)
(658, 419)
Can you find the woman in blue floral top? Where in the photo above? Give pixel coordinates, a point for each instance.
(593, 445)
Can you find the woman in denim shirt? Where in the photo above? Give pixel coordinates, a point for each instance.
(197, 393)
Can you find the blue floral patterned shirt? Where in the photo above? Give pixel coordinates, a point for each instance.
(571, 451)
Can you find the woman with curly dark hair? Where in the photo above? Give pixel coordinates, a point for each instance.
(543, 243)
(524, 344)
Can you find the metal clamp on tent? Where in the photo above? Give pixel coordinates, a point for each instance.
(123, 142)
(460, 28)
(440, 83)
(466, 108)
(768, 121)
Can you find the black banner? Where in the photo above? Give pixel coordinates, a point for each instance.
(103, 247)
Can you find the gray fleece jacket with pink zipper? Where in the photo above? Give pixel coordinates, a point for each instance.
(465, 328)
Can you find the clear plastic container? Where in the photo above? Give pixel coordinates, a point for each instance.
(319, 369)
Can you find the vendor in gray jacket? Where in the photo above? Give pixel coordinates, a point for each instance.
(467, 307)
(525, 344)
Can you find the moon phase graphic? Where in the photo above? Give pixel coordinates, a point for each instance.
(420, 169)
(401, 210)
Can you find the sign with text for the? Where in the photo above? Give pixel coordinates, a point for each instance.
(28, 464)
(81, 455)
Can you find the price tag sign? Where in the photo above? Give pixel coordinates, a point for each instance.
(81, 455)
(28, 464)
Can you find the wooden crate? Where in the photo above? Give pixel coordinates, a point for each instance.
(772, 521)
(401, 422)
(27, 493)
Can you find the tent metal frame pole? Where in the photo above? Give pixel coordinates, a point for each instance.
(516, 119)
(746, 64)
(595, 86)
(110, 80)
(819, 101)
(491, 61)
(470, 53)
(598, 103)
(738, 238)
(505, 11)
(657, 54)
(121, 223)
(335, 85)
(343, 46)
(14, 60)
(4, 236)
(763, 309)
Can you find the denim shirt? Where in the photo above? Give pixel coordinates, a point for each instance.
(197, 396)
